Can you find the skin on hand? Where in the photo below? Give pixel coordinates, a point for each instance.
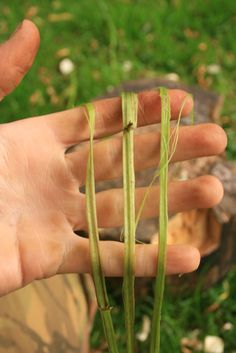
(40, 200)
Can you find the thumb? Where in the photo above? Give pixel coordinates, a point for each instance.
(17, 56)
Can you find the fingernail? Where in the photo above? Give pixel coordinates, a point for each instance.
(17, 29)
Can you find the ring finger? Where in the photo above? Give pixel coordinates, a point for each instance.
(202, 192)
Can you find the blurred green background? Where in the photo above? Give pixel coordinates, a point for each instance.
(113, 41)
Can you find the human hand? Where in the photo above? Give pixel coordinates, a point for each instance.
(41, 204)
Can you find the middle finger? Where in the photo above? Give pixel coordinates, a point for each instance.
(194, 141)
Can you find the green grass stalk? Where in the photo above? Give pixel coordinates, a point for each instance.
(98, 277)
(163, 220)
(174, 136)
(129, 115)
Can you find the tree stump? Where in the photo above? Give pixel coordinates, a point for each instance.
(212, 231)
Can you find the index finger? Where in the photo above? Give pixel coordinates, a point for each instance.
(71, 126)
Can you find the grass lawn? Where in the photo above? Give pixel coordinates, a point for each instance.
(112, 41)
(186, 318)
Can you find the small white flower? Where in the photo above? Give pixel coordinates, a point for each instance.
(66, 66)
(213, 69)
(213, 344)
(227, 326)
(172, 76)
(143, 334)
(127, 66)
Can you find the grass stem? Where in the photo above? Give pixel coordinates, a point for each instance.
(163, 221)
(129, 114)
(98, 277)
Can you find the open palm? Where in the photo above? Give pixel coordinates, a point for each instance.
(40, 200)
